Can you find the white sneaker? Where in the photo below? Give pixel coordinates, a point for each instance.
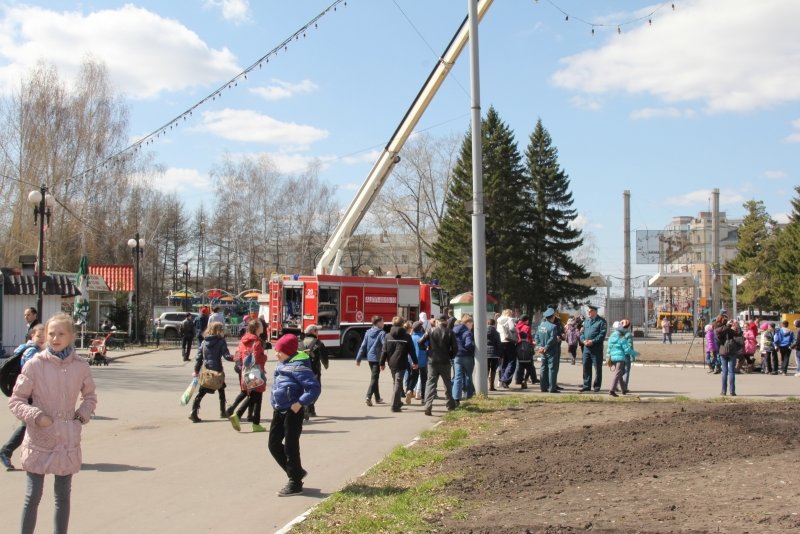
(409, 396)
(797, 374)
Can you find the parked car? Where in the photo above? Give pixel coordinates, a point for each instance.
(168, 324)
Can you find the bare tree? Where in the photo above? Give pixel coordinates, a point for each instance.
(413, 201)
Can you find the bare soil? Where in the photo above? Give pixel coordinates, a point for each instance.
(632, 467)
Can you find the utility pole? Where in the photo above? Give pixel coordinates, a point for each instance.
(478, 216)
(716, 270)
(626, 198)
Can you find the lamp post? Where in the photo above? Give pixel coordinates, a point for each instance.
(41, 201)
(136, 245)
(186, 286)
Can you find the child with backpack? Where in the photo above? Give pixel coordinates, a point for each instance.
(25, 352)
(525, 366)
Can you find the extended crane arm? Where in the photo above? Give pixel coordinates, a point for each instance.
(329, 262)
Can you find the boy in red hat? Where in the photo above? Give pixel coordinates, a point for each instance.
(294, 387)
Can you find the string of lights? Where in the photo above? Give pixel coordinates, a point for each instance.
(217, 93)
(618, 25)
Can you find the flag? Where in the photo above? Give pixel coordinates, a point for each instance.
(82, 300)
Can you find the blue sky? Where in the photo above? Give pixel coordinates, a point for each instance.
(706, 96)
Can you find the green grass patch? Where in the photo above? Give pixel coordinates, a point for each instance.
(406, 492)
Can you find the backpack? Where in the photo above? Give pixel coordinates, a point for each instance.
(252, 375)
(10, 368)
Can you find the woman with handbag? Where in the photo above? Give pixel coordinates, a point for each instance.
(731, 345)
(250, 345)
(208, 366)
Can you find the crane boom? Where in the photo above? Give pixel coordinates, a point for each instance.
(331, 255)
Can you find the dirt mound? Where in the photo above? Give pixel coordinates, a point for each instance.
(633, 467)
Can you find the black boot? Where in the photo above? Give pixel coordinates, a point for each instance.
(222, 411)
(193, 417)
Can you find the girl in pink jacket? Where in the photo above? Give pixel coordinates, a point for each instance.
(53, 379)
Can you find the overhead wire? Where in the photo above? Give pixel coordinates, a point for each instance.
(233, 82)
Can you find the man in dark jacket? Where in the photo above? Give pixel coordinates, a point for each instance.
(371, 350)
(187, 335)
(593, 335)
(397, 349)
(442, 349)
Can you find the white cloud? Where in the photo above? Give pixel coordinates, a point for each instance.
(350, 186)
(580, 222)
(795, 137)
(145, 53)
(176, 180)
(279, 89)
(743, 57)
(781, 218)
(774, 175)
(237, 11)
(587, 103)
(364, 157)
(701, 198)
(662, 113)
(251, 126)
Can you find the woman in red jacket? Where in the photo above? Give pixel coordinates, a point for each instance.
(250, 343)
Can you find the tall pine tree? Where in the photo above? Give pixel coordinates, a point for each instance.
(504, 195)
(548, 232)
(754, 256)
(785, 265)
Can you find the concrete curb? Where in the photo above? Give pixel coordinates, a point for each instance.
(302, 517)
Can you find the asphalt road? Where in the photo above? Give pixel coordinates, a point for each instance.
(147, 468)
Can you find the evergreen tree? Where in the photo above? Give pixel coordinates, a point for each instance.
(549, 235)
(754, 254)
(503, 195)
(785, 263)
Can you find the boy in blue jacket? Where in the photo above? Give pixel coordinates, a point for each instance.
(294, 387)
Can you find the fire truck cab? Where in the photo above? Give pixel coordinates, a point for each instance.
(343, 306)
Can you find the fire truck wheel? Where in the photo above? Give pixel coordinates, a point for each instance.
(350, 344)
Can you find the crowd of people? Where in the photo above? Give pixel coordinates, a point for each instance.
(732, 348)
(422, 353)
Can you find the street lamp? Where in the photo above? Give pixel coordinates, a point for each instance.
(186, 286)
(41, 201)
(136, 245)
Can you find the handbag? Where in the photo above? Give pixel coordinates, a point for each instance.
(212, 380)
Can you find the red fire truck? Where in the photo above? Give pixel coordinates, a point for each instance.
(343, 306)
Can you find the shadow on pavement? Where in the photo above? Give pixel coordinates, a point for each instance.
(114, 468)
(321, 418)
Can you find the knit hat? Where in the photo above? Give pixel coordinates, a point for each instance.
(764, 325)
(287, 344)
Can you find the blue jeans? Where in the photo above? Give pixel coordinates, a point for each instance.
(591, 360)
(728, 374)
(62, 489)
(462, 376)
(626, 375)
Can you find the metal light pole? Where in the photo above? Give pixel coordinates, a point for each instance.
(478, 215)
(41, 201)
(136, 245)
(186, 286)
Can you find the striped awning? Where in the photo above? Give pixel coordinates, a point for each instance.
(16, 283)
(117, 277)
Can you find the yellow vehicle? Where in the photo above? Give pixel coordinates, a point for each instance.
(681, 321)
(790, 317)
